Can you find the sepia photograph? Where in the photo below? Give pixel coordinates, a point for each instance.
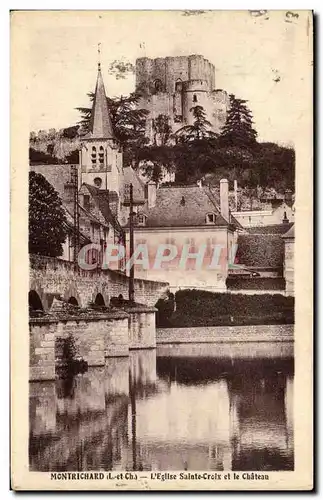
(162, 196)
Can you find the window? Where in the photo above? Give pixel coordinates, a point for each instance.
(98, 182)
(93, 155)
(101, 155)
(158, 86)
(210, 218)
(178, 85)
(194, 98)
(86, 202)
(141, 219)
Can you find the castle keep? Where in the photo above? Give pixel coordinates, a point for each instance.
(173, 85)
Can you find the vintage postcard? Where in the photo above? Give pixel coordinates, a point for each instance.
(162, 195)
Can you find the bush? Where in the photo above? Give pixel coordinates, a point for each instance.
(202, 308)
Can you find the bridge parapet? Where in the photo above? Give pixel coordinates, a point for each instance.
(51, 277)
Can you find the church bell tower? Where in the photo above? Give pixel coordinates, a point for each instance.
(101, 154)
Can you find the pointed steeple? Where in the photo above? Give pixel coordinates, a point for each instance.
(100, 124)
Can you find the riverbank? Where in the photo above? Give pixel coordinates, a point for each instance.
(227, 335)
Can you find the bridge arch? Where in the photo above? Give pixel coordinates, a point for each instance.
(73, 301)
(35, 285)
(34, 301)
(72, 296)
(99, 300)
(100, 295)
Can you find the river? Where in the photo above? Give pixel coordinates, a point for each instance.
(187, 408)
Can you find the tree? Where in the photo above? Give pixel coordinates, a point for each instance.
(39, 157)
(70, 132)
(129, 123)
(121, 69)
(73, 157)
(238, 129)
(47, 221)
(200, 128)
(162, 130)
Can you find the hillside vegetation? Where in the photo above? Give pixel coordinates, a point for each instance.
(194, 152)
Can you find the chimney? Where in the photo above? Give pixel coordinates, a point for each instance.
(235, 189)
(288, 196)
(69, 189)
(152, 194)
(285, 219)
(224, 198)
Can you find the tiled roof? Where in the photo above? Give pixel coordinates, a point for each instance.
(100, 124)
(216, 201)
(290, 233)
(131, 177)
(70, 224)
(181, 206)
(260, 250)
(103, 199)
(271, 229)
(56, 175)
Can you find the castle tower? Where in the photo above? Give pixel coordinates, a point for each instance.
(101, 154)
(172, 86)
(194, 93)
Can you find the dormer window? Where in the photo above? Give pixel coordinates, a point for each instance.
(210, 218)
(101, 155)
(93, 155)
(141, 219)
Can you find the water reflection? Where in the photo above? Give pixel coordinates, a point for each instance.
(169, 413)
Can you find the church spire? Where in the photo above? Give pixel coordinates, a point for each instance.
(100, 123)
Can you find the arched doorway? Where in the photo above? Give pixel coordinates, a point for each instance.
(35, 303)
(99, 300)
(73, 301)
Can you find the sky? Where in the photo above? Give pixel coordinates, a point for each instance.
(264, 59)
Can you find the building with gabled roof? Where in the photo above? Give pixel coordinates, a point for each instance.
(199, 235)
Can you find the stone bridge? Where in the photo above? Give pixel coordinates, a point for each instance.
(51, 277)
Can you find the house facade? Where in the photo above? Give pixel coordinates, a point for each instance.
(183, 237)
(289, 244)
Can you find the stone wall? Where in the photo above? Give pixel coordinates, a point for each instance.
(50, 276)
(226, 334)
(142, 330)
(42, 351)
(169, 85)
(96, 338)
(289, 266)
(171, 69)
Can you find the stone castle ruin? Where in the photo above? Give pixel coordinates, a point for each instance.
(171, 86)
